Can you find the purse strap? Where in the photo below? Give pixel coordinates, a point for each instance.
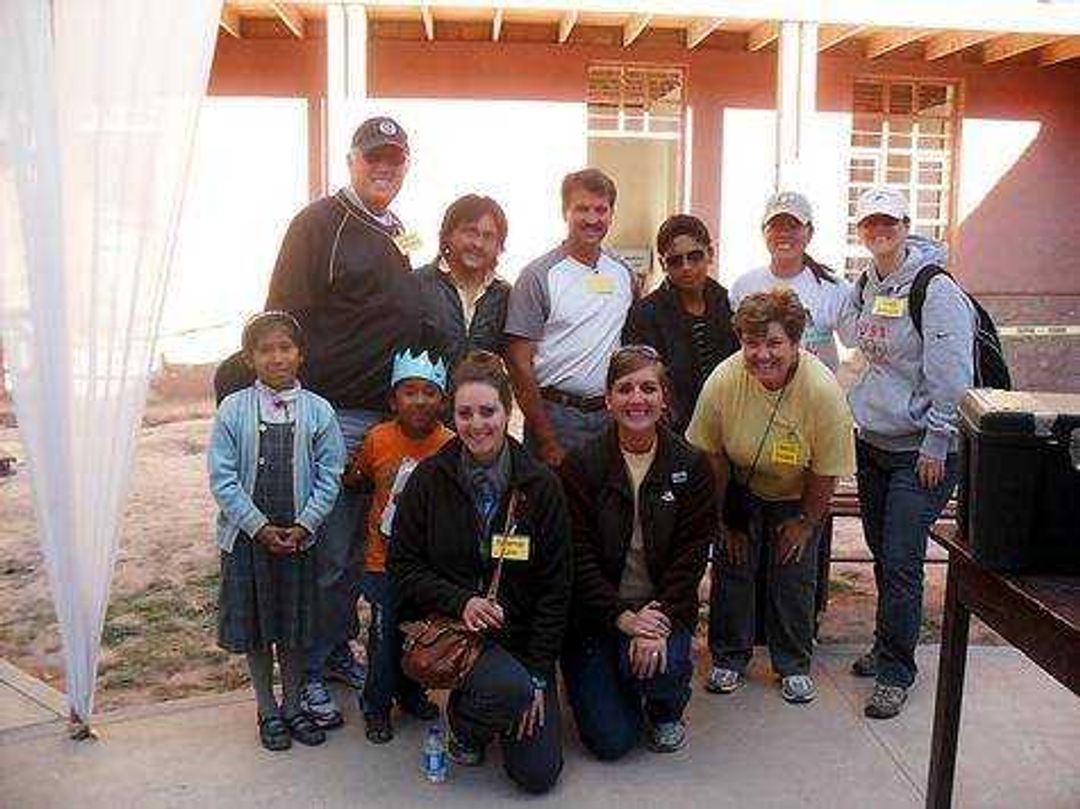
(764, 435)
(511, 525)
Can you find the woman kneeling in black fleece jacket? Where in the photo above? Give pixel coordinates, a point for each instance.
(642, 504)
(441, 560)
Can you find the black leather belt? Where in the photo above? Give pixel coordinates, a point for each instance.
(589, 404)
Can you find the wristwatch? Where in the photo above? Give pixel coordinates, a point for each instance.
(539, 683)
(804, 517)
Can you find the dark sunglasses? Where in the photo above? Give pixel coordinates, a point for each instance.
(672, 261)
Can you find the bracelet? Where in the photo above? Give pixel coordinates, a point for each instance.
(538, 683)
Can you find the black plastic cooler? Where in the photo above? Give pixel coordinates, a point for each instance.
(1019, 494)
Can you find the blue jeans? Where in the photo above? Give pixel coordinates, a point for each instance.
(385, 679)
(789, 598)
(339, 551)
(573, 427)
(491, 702)
(897, 514)
(609, 703)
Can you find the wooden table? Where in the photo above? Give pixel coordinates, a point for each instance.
(1039, 615)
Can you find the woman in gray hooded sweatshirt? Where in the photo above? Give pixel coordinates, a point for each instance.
(904, 406)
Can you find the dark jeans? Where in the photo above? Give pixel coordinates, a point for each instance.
(491, 701)
(338, 553)
(897, 514)
(572, 427)
(609, 703)
(385, 680)
(789, 597)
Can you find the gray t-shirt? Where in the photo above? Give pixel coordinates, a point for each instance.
(636, 586)
(574, 313)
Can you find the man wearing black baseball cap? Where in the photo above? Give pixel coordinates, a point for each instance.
(344, 273)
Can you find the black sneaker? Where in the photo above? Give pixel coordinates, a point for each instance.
(378, 730)
(274, 733)
(423, 709)
(464, 754)
(304, 730)
(865, 665)
(886, 701)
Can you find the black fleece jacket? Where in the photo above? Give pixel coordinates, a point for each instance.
(437, 564)
(444, 319)
(658, 320)
(341, 275)
(677, 505)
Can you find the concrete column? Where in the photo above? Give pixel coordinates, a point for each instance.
(796, 100)
(346, 81)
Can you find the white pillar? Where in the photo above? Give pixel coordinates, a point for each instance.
(346, 81)
(796, 100)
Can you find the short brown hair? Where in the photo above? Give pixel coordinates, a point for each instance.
(468, 209)
(777, 305)
(632, 358)
(592, 180)
(485, 368)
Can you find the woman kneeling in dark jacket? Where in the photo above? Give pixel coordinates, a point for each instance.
(441, 560)
(642, 503)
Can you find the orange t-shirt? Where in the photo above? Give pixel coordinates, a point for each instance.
(385, 452)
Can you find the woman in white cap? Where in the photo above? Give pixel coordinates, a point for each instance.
(787, 227)
(904, 405)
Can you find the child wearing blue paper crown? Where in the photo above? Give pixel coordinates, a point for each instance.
(275, 461)
(384, 461)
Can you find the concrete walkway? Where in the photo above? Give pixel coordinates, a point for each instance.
(1019, 747)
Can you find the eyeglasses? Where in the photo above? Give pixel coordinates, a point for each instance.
(673, 261)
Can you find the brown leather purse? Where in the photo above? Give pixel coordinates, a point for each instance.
(440, 651)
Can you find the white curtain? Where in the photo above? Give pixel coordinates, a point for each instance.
(98, 104)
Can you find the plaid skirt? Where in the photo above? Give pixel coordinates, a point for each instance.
(265, 598)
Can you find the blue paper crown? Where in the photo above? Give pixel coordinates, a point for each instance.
(418, 366)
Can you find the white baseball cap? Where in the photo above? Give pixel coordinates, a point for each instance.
(791, 203)
(883, 200)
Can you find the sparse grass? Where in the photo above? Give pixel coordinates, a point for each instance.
(846, 582)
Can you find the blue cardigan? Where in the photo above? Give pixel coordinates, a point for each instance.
(233, 456)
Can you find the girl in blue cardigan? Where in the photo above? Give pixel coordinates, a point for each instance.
(276, 456)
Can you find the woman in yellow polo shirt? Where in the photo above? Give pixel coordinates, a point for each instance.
(778, 430)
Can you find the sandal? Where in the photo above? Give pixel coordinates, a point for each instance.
(273, 733)
(304, 730)
(379, 730)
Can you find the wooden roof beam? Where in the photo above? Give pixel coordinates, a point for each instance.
(290, 18)
(566, 25)
(888, 41)
(429, 22)
(633, 28)
(698, 31)
(496, 25)
(1010, 45)
(762, 36)
(230, 21)
(950, 42)
(1060, 51)
(832, 35)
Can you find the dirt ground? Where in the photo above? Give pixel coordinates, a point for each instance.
(158, 640)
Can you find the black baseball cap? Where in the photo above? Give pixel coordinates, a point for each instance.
(380, 131)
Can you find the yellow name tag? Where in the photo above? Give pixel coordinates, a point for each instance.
(600, 284)
(514, 547)
(889, 307)
(408, 242)
(786, 452)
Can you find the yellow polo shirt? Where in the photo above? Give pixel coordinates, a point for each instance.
(812, 430)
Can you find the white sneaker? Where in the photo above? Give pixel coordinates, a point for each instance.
(723, 681)
(798, 688)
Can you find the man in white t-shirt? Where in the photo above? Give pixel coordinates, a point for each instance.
(565, 316)
(788, 227)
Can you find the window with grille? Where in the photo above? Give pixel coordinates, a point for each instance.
(902, 135)
(635, 101)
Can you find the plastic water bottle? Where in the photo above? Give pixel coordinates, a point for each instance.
(435, 765)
